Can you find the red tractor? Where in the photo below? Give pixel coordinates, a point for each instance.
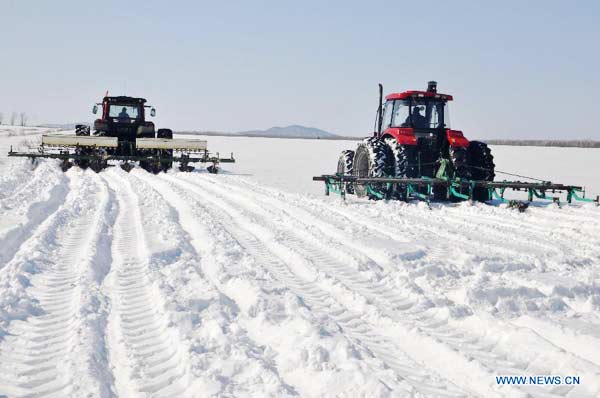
(413, 139)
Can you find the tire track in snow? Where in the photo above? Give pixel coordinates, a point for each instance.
(145, 352)
(201, 226)
(576, 272)
(15, 186)
(55, 261)
(459, 340)
(23, 215)
(398, 228)
(419, 218)
(286, 268)
(195, 275)
(560, 238)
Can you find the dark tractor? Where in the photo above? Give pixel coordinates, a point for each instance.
(124, 118)
(123, 136)
(413, 139)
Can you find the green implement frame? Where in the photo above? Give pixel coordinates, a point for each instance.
(460, 189)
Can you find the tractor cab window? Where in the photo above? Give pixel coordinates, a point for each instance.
(401, 113)
(427, 114)
(123, 112)
(387, 115)
(446, 116)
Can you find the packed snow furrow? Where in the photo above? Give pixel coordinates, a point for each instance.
(165, 372)
(574, 273)
(581, 215)
(280, 261)
(584, 345)
(21, 217)
(398, 221)
(518, 272)
(436, 222)
(457, 339)
(33, 346)
(206, 236)
(201, 238)
(24, 188)
(550, 238)
(322, 260)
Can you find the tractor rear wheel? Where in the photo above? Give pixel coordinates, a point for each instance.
(344, 167)
(371, 159)
(403, 163)
(481, 164)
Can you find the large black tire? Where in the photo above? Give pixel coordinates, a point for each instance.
(482, 167)
(165, 153)
(371, 159)
(82, 129)
(403, 163)
(164, 133)
(146, 130)
(345, 163)
(82, 163)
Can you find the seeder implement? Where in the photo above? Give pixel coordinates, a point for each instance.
(457, 189)
(123, 134)
(94, 150)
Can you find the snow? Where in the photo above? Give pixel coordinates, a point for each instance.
(252, 283)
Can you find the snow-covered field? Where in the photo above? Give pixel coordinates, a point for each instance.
(251, 283)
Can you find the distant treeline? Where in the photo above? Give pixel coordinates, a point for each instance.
(559, 143)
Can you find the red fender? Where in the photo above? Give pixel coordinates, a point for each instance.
(457, 139)
(404, 135)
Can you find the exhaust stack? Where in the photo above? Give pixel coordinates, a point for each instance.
(432, 87)
(380, 110)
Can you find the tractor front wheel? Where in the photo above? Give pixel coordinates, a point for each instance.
(371, 159)
(403, 164)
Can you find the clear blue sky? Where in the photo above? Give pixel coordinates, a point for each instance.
(517, 69)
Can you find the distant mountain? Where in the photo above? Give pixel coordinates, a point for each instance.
(294, 131)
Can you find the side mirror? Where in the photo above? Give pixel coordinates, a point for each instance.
(152, 112)
(95, 109)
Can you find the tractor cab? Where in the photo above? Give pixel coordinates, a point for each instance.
(416, 109)
(419, 118)
(125, 118)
